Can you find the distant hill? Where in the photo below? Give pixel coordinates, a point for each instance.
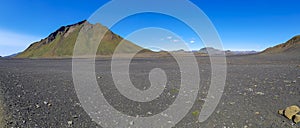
(12, 55)
(211, 50)
(229, 52)
(292, 46)
(61, 42)
(214, 51)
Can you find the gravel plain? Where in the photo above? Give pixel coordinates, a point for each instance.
(40, 92)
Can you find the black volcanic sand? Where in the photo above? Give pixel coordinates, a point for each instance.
(40, 92)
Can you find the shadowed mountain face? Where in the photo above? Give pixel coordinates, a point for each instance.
(291, 47)
(61, 42)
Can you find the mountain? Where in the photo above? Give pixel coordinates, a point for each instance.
(292, 46)
(210, 50)
(61, 42)
(12, 55)
(229, 52)
(214, 51)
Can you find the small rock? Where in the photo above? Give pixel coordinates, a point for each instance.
(256, 113)
(260, 93)
(37, 106)
(250, 89)
(149, 113)
(287, 81)
(131, 123)
(75, 116)
(289, 112)
(45, 102)
(281, 112)
(294, 81)
(296, 118)
(70, 122)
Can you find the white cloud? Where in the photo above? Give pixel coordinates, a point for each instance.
(169, 37)
(192, 41)
(175, 41)
(11, 42)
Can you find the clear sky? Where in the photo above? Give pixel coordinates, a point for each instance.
(242, 25)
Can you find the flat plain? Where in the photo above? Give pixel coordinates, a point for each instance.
(40, 92)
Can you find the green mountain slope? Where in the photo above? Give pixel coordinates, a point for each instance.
(61, 43)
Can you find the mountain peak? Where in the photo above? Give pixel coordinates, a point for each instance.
(61, 42)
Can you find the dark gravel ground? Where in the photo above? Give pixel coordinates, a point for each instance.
(40, 92)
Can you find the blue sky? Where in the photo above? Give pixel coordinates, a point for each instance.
(242, 25)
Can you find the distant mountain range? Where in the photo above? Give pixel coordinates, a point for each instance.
(60, 44)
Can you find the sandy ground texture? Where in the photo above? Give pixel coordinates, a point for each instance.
(40, 93)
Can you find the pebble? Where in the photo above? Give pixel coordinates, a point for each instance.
(37, 106)
(260, 93)
(70, 122)
(131, 122)
(75, 116)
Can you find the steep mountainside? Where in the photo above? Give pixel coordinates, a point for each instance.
(61, 42)
(290, 47)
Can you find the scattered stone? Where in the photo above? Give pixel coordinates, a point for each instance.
(260, 93)
(70, 122)
(149, 113)
(294, 81)
(75, 116)
(289, 112)
(131, 123)
(45, 102)
(296, 118)
(287, 81)
(250, 89)
(257, 113)
(37, 106)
